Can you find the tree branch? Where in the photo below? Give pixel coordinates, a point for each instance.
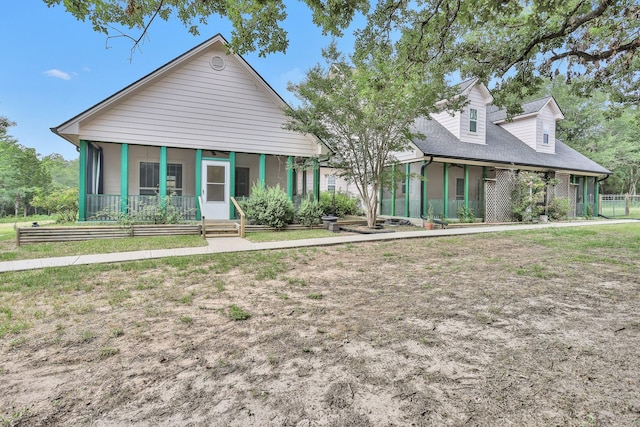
(570, 24)
(594, 57)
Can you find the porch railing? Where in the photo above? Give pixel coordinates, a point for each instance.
(101, 207)
(105, 207)
(240, 212)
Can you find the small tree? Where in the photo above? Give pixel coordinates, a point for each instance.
(364, 108)
(527, 197)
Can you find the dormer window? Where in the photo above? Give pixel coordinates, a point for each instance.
(473, 120)
(545, 136)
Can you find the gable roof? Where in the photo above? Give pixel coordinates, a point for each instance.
(501, 147)
(498, 115)
(70, 126)
(93, 123)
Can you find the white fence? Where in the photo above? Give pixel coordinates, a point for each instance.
(620, 205)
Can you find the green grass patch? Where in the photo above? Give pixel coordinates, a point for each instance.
(105, 352)
(9, 251)
(613, 236)
(236, 313)
(315, 295)
(187, 320)
(24, 221)
(277, 236)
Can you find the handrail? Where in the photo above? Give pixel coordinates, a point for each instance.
(242, 216)
(204, 224)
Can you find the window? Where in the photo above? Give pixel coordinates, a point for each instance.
(459, 188)
(473, 120)
(150, 178)
(243, 182)
(545, 136)
(331, 183)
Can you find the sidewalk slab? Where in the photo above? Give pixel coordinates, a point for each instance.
(237, 244)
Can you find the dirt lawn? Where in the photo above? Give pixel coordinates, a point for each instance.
(532, 328)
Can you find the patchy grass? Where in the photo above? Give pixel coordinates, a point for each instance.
(528, 328)
(9, 251)
(237, 313)
(276, 236)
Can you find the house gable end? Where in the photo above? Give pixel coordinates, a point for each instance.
(205, 99)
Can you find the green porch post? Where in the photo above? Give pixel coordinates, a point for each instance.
(124, 178)
(425, 202)
(290, 177)
(393, 190)
(466, 187)
(597, 195)
(585, 194)
(232, 183)
(316, 179)
(163, 175)
(82, 184)
(198, 186)
(263, 170)
(407, 171)
(445, 191)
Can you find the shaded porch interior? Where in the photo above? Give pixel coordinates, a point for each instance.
(123, 178)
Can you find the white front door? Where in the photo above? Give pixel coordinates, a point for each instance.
(215, 189)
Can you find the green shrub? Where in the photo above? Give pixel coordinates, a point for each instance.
(527, 196)
(309, 212)
(558, 209)
(344, 205)
(62, 203)
(589, 211)
(268, 206)
(466, 214)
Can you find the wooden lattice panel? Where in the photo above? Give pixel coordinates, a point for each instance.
(573, 197)
(562, 190)
(504, 187)
(490, 200)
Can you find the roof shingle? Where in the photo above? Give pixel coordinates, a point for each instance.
(501, 147)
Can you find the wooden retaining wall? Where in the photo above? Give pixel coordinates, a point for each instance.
(27, 235)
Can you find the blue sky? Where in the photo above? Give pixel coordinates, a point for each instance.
(55, 67)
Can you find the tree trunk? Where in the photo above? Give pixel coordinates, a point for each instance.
(371, 209)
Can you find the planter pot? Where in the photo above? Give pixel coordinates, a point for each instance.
(544, 219)
(428, 225)
(326, 220)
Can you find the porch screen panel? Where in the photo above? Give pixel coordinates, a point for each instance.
(150, 178)
(215, 183)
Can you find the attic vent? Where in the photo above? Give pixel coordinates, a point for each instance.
(217, 63)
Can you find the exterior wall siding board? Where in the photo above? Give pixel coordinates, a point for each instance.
(546, 121)
(451, 123)
(476, 101)
(194, 106)
(524, 130)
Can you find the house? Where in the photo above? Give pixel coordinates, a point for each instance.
(467, 159)
(205, 124)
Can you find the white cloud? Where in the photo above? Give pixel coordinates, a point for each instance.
(86, 69)
(57, 74)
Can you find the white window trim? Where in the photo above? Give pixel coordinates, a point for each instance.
(156, 190)
(329, 184)
(474, 132)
